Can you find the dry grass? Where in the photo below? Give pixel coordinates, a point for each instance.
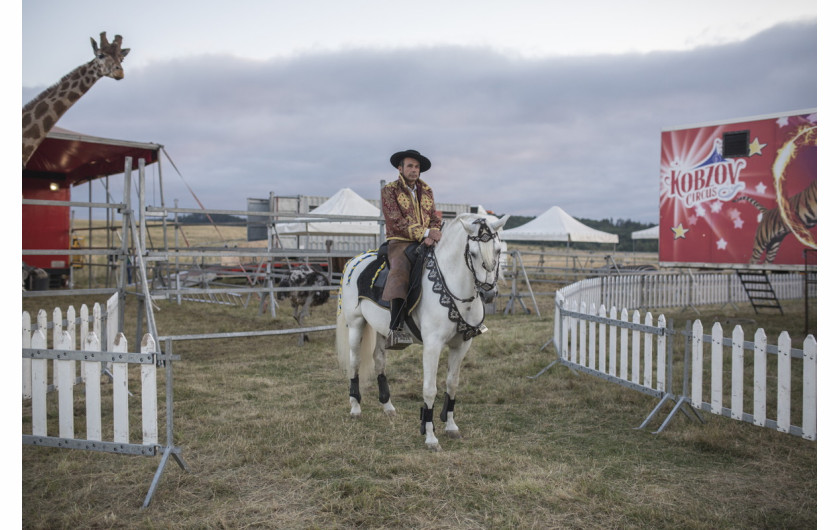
(265, 429)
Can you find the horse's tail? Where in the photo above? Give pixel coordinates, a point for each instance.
(365, 352)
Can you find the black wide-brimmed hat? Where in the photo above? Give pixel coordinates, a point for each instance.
(397, 158)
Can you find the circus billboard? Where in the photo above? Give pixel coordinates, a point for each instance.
(740, 193)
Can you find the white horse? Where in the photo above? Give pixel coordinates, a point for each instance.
(460, 272)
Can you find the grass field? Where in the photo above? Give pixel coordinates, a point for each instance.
(265, 429)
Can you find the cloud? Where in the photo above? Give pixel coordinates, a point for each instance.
(516, 135)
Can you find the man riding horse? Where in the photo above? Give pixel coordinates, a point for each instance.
(408, 206)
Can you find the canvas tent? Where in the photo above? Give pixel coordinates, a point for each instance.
(345, 203)
(556, 225)
(647, 233)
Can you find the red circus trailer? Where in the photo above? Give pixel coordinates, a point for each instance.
(740, 194)
(64, 159)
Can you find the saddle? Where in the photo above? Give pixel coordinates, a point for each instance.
(371, 282)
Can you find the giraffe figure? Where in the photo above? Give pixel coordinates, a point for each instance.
(41, 114)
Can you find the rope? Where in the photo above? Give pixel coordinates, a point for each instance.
(198, 201)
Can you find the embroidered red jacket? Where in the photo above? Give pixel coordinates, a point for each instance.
(407, 219)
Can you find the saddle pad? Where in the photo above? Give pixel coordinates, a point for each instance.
(371, 283)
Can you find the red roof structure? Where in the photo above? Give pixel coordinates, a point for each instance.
(65, 159)
(77, 158)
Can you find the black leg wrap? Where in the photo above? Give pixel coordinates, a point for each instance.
(448, 406)
(426, 414)
(384, 391)
(354, 389)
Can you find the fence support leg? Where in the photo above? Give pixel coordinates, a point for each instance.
(544, 370)
(680, 406)
(655, 410)
(170, 449)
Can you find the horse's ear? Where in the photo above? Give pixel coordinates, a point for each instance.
(468, 226)
(500, 223)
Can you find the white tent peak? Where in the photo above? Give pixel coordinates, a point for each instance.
(345, 202)
(555, 224)
(647, 233)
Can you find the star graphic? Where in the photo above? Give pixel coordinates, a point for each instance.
(721, 244)
(716, 206)
(679, 231)
(761, 188)
(756, 147)
(739, 223)
(781, 122)
(700, 211)
(734, 214)
(692, 220)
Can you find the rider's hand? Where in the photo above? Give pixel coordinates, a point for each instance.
(432, 238)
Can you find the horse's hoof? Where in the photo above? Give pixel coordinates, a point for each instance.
(455, 435)
(391, 413)
(355, 415)
(434, 447)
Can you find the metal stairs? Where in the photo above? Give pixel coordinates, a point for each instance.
(759, 290)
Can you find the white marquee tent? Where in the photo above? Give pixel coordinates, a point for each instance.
(556, 225)
(647, 233)
(345, 202)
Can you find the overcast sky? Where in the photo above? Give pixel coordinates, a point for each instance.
(519, 105)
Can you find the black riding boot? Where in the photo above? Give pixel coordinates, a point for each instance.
(397, 338)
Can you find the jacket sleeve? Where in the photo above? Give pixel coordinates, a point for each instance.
(434, 220)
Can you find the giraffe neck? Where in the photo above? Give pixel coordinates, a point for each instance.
(42, 113)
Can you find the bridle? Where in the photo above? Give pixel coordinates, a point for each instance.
(447, 298)
(485, 235)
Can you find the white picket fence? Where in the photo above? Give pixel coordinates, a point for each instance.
(662, 290)
(83, 362)
(55, 412)
(619, 349)
(708, 381)
(638, 355)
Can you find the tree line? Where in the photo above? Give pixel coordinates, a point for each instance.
(622, 227)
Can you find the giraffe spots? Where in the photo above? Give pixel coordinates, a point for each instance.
(48, 123)
(60, 107)
(41, 109)
(27, 119)
(32, 132)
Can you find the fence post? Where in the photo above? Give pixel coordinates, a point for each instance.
(636, 347)
(93, 393)
(623, 367)
(809, 397)
(738, 373)
(648, 378)
(613, 345)
(717, 368)
(760, 378)
(783, 388)
(697, 364)
(26, 341)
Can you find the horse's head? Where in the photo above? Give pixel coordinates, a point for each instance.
(483, 253)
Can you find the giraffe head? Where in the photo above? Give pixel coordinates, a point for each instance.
(109, 57)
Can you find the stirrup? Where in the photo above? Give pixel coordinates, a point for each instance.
(398, 339)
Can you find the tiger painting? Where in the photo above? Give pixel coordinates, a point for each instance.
(772, 229)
